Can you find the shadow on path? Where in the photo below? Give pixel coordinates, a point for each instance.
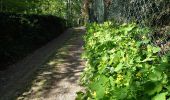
(57, 78)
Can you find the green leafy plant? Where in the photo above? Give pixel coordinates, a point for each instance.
(122, 64)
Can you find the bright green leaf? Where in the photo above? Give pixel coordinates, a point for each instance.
(161, 96)
(156, 49)
(119, 67)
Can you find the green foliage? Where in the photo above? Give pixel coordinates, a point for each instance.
(67, 9)
(52, 7)
(122, 64)
(21, 34)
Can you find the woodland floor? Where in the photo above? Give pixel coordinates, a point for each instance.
(50, 73)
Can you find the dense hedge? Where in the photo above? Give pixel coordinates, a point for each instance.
(20, 34)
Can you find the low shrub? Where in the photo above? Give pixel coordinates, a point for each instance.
(123, 64)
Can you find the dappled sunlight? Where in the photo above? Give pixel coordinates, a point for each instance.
(85, 50)
(60, 74)
(52, 63)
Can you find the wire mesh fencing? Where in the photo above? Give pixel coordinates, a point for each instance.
(150, 13)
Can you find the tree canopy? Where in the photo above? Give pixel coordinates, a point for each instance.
(67, 9)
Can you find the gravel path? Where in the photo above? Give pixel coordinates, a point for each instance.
(50, 73)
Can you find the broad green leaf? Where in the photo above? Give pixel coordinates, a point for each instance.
(99, 86)
(100, 92)
(138, 59)
(156, 49)
(103, 79)
(129, 28)
(119, 67)
(149, 48)
(145, 41)
(98, 89)
(168, 87)
(148, 59)
(101, 68)
(152, 88)
(155, 75)
(121, 93)
(161, 96)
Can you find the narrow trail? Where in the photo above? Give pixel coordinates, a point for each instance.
(50, 73)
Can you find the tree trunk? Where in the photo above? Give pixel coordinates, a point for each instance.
(99, 10)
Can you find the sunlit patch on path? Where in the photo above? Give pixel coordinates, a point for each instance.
(57, 79)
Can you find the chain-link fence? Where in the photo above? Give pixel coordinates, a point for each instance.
(152, 13)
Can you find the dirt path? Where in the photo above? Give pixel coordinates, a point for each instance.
(50, 73)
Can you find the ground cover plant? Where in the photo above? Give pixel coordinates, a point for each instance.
(123, 64)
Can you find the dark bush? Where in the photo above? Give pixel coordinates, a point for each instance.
(21, 34)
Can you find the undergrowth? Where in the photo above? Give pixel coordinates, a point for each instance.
(122, 64)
